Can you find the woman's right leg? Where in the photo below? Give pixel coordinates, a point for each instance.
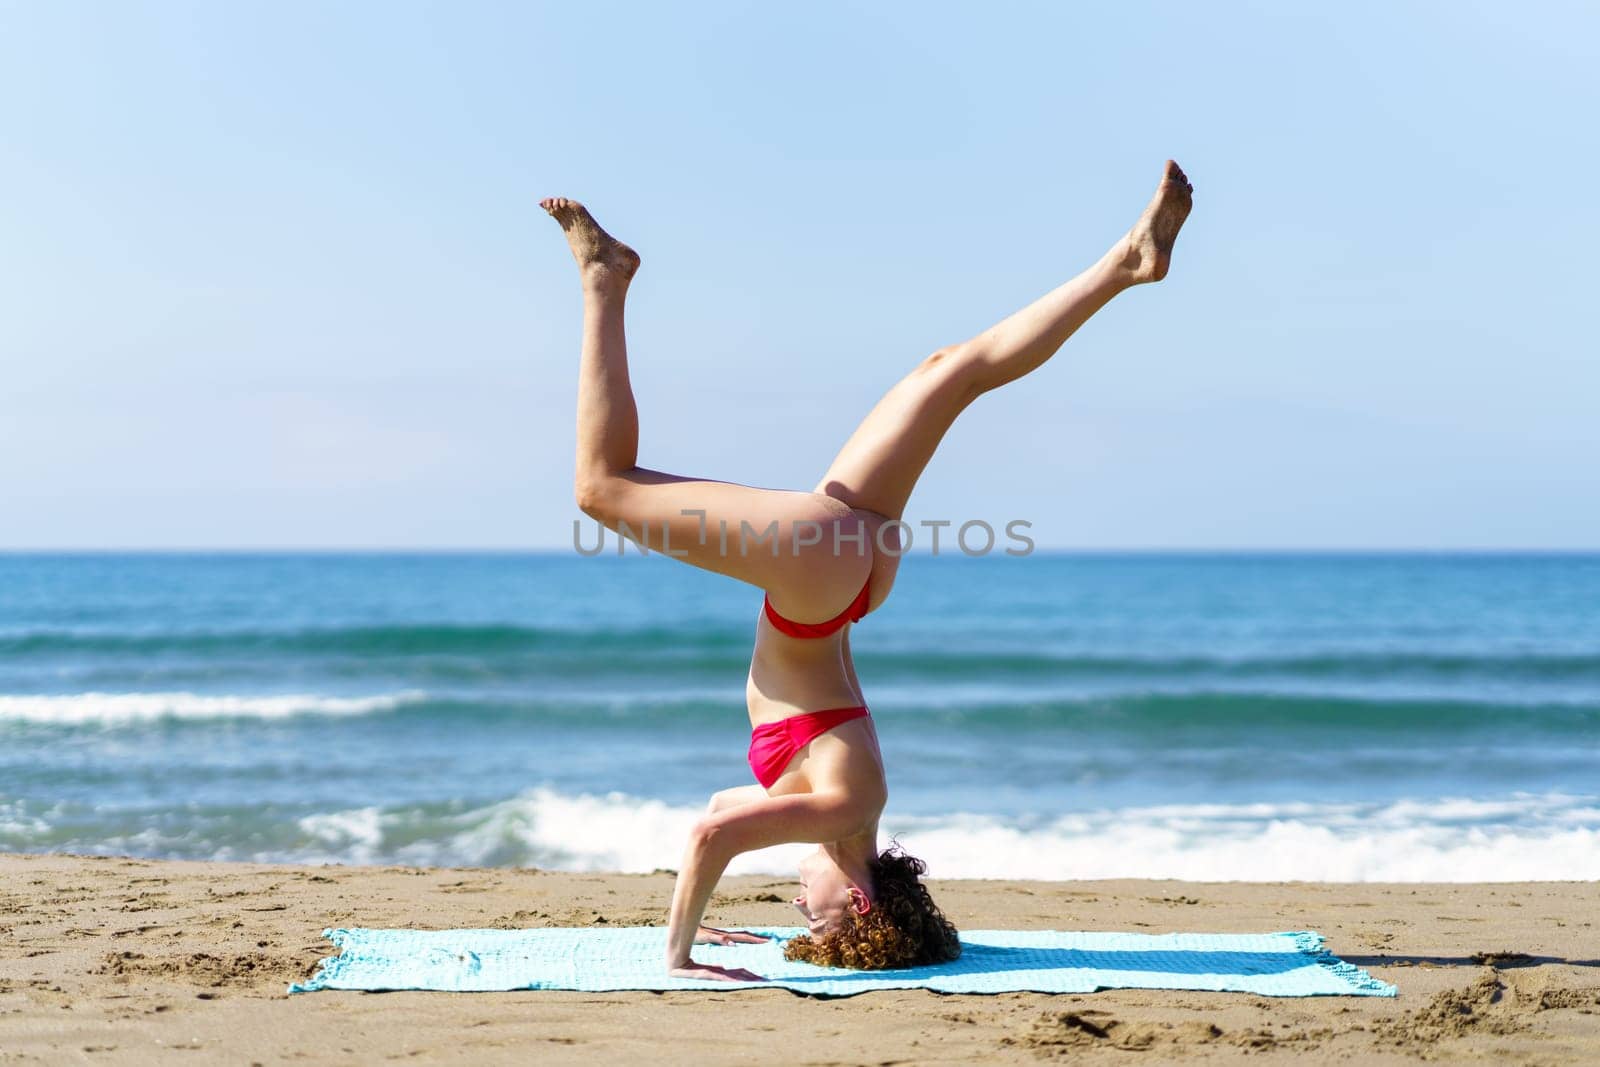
(880, 464)
(779, 541)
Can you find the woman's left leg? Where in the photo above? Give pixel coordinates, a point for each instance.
(780, 541)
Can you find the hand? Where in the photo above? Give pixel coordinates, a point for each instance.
(710, 935)
(709, 972)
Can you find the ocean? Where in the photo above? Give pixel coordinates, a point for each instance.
(1231, 716)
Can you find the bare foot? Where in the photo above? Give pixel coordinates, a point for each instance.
(601, 257)
(1148, 247)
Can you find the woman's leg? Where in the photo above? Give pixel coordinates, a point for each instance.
(880, 464)
(780, 541)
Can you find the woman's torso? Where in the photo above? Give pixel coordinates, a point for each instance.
(792, 676)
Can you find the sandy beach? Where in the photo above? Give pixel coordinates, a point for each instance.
(114, 960)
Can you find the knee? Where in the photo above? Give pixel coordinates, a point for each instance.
(955, 369)
(942, 361)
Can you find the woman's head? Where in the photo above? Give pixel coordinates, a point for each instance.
(891, 923)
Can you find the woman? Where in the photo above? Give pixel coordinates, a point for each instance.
(825, 558)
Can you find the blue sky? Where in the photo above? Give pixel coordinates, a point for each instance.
(273, 275)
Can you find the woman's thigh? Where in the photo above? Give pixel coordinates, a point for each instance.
(809, 551)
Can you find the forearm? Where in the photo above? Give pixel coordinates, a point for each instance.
(704, 860)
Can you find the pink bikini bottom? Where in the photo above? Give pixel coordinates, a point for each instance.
(773, 745)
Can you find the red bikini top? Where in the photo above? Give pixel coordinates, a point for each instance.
(853, 613)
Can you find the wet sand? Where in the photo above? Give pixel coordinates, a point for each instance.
(111, 960)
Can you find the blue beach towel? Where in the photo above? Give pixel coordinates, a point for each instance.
(992, 961)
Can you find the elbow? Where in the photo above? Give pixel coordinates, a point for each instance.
(707, 837)
(704, 831)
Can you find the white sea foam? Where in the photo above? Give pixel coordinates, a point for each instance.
(541, 828)
(1523, 838)
(356, 834)
(112, 708)
(15, 822)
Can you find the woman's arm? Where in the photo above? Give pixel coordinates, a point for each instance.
(724, 799)
(719, 837)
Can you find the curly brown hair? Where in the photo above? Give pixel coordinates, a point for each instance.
(904, 927)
